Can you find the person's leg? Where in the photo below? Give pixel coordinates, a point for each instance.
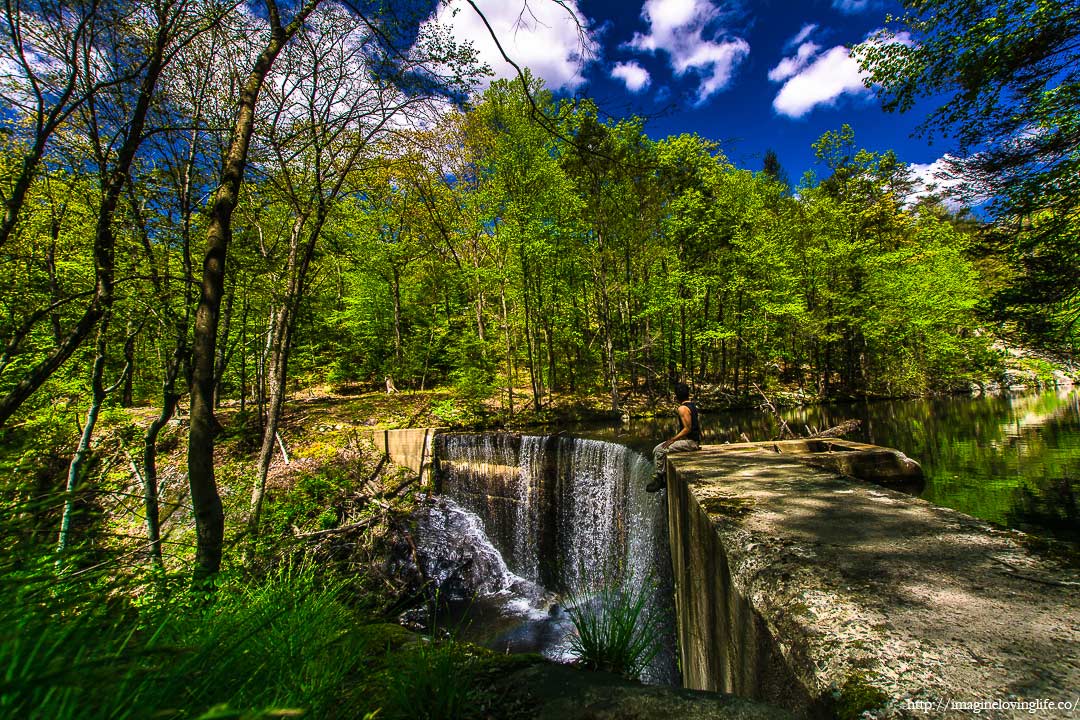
(659, 454)
(683, 446)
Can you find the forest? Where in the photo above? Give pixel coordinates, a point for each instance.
(211, 208)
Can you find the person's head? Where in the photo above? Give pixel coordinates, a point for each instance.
(682, 392)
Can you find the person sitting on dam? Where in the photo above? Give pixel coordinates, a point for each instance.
(688, 437)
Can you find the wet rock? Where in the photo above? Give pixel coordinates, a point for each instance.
(454, 554)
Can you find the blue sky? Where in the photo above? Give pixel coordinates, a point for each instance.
(751, 74)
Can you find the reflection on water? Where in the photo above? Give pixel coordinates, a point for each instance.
(1012, 460)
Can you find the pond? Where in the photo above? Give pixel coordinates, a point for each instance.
(1013, 460)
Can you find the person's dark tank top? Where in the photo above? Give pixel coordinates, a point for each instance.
(695, 424)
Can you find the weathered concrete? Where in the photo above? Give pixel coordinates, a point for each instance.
(881, 465)
(547, 691)
(409, 448)
(828, 596)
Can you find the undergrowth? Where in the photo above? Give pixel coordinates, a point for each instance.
(119, 648)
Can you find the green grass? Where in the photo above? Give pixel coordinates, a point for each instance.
(427, 682)
(615, 629)
(105, 649)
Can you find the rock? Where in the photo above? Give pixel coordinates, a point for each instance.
(1062, 380)
(561, 692)
(1014, 379)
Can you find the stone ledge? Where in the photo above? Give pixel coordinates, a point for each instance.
(873, 463)
(560, 692)
(801, 588)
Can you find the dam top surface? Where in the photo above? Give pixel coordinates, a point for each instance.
(919, 602)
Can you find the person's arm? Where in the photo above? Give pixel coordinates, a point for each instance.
(684, 415)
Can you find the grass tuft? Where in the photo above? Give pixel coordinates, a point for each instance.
(616, 629)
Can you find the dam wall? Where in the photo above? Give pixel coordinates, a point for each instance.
(410, 448)
(799, 585)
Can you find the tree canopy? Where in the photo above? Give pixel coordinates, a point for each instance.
(1007, 76)
(238, 205)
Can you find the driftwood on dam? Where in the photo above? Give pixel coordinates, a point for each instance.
(786, 433)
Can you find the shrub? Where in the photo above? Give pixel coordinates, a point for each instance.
(616, 629)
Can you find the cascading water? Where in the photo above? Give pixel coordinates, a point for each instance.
(566, 514)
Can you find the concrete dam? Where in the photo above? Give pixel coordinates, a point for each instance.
(797, 584)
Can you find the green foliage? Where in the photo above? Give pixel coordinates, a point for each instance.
(309, 500)
(457, 413)
(1007, 74)
(250, 649)
(616, 630)
(1041, 368)
(427, 682)
(489, 255)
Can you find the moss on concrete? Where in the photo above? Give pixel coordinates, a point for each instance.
(857, 695)
(726, 506)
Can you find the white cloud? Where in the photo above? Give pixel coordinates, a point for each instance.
(543, 36)
(636, 77)
(851, 7)
(793, 65)
(678, 28)
(802, 35)
(937, 178)
(816, 78)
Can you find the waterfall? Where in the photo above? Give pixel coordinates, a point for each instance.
(527, 520)
(563, 513)
(558, 509)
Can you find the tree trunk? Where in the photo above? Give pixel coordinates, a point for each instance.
(276, 381)
(127, 397)
(78, 462)
(600, 277)
(509, 353)
(205, 500)
(222, 351)
(479, 307)
(682, 330)
(169, 400)
(54, 282)
(704, 351)
(531, 355)
(296, 268)
(243, 356)
(396, 288)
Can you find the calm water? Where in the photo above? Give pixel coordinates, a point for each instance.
(1012, 460)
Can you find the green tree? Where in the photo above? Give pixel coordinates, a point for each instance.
(1009, 71)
